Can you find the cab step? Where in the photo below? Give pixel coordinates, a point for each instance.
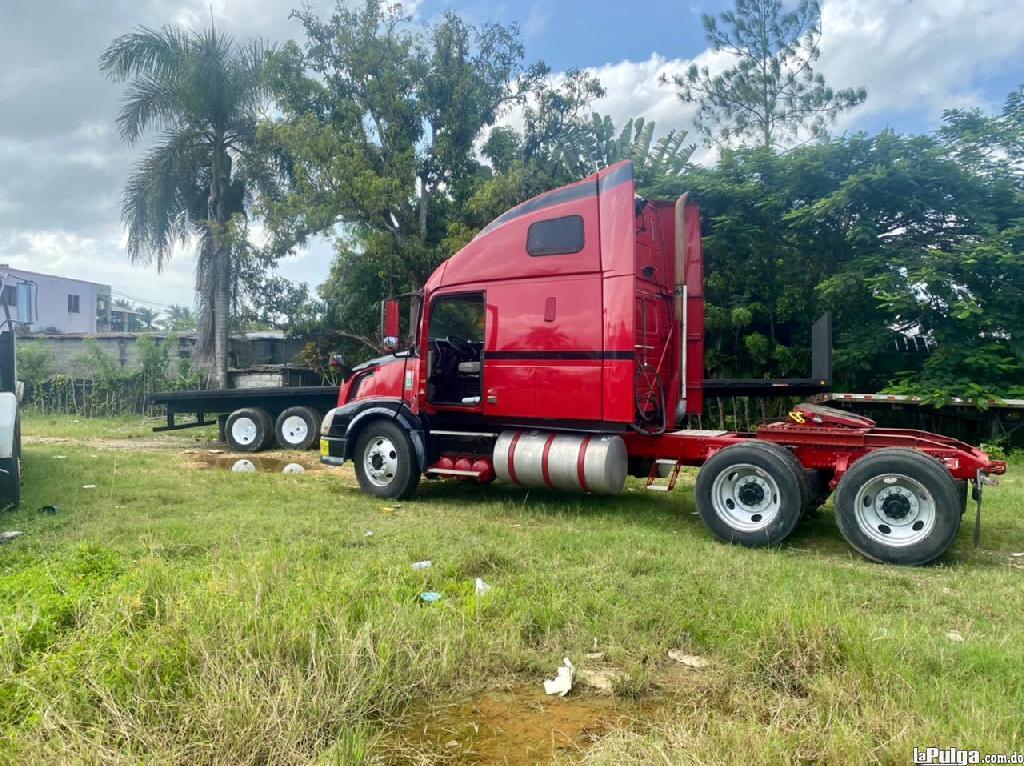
(655, 474)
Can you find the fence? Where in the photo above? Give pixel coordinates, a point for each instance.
(89, 397)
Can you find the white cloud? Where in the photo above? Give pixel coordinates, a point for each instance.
(917, 57)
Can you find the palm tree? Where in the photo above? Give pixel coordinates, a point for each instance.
(180, 318)
(203, 93)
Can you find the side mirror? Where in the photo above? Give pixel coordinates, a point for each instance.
(389, 327)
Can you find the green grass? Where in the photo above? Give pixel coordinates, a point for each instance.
(176, 615)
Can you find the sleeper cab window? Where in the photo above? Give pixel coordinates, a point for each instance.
(555, 236)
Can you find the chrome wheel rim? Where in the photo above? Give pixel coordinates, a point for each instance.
(243, 431)
(895, 510)
(380, 461)
(294, 429)
(746, 497)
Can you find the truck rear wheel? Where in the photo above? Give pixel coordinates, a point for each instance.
(385, 461)
(249, 429)
(298, 428)
(750, 494)
(897, 506)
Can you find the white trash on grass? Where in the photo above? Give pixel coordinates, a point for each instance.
(422, 564)
(561, 684)
(690, 660)
(482, 588)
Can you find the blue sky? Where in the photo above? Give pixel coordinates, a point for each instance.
(62, 166)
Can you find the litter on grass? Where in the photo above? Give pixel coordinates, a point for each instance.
(422, 564)
(6, 537)
(561, 684)
(50, 509)
(430, 596)
(88, 486)
(690, 660)
(482, 588)
(955, 635)
(60, 457)
(368, 533)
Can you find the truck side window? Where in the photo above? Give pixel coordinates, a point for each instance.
(555, 236)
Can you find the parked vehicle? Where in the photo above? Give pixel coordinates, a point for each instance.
(252, 418)
(10, 414)
(563, 347)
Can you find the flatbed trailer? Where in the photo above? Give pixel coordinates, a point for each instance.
(563, 348)
(252, 419)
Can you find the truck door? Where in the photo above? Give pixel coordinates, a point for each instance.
(455, 347)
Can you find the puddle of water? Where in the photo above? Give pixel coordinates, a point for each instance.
(250, 464)
(517, 727)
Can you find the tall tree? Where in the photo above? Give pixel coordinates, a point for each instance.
(379, 119)
(203, 93)
(771, 93)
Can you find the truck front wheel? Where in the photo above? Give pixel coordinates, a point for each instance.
(897, 506)
(751, 494)
(385, 461)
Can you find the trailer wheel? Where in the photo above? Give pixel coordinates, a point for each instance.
(750, 494)
(385, 462)
(298, 428)
(897, 506)
(10, 478)
(249, 429)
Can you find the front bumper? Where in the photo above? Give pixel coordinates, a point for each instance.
(333, 450)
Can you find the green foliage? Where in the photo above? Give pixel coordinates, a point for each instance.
(106, 388)
(34, 362)
(771, 93)
(587, 146)
(892, 234)
(180, 319)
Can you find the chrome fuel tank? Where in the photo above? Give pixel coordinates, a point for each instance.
(583, 462)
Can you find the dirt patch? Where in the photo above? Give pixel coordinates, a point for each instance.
(119, 445)
(516, 727)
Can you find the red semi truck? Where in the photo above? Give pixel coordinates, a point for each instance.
(563, 348)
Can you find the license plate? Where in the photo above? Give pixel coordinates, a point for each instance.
(325, 448)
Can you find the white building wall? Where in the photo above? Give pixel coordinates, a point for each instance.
(50, 294)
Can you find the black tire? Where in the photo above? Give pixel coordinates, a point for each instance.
(917, 535)
(10, 478)
(298, 428)
(808, 496)
(742, 523)
(963, 489)
(249, 429)
(392, 443)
